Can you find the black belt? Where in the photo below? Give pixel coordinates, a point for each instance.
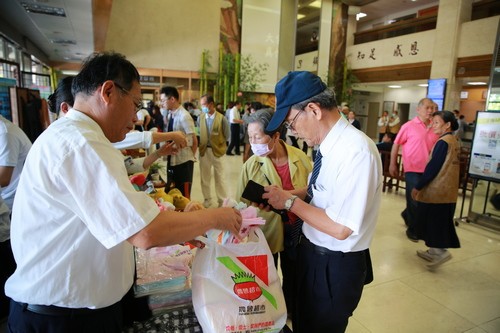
(52, 310)
(324, 251)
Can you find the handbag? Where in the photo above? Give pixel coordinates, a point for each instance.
(235, 287)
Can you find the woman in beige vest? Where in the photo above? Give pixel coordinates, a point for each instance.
(437, 192)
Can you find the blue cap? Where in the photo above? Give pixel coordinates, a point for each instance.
(295, 87)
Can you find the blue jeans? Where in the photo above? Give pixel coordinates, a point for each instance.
(411, 179)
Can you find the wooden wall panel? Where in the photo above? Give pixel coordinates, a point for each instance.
(416, 71)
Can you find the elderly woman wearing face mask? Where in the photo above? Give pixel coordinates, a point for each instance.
(275, 163)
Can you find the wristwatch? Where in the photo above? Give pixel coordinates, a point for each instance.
(289, 202)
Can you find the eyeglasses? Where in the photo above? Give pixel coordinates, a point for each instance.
(290, 125)
(138, 104)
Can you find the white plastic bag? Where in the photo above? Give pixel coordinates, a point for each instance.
(236, 287)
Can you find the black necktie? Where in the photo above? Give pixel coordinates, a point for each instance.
(170, 127)
(297, 226)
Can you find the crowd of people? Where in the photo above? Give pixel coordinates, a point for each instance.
(73, 240)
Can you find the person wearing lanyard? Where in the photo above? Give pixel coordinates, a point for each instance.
(339, 206)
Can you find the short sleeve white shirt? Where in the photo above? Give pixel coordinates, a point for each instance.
(234, 114)
(135, 140)
(183, 122)
(348, 187)
(74, 210)
(14, 147)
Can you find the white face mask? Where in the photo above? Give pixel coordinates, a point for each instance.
(205, 109)
(260, 149)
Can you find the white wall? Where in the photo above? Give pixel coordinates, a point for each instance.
(260, 37)
(163, 34)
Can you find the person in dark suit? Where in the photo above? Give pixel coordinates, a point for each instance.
(352, 119)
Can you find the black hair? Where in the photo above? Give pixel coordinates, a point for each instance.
(170, 92)
(391, 136)
(210, 98)
(448, 117)
(256, 105)
(61, 94)
(101, 67)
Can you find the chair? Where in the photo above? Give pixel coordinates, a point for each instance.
(390, 181)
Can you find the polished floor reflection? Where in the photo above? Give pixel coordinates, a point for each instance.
(463, 295)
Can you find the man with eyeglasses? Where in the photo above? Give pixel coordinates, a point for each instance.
(76, 216)
(339, 207)
(179, 119)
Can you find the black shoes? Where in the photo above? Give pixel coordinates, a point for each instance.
(403, 215)
(230, 154)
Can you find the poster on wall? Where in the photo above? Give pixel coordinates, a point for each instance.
(485, 150)
(5, 110)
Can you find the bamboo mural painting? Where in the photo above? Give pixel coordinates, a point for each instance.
(236, 75)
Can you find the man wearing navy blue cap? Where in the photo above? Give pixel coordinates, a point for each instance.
(339, 206)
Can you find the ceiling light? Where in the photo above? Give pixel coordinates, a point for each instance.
(69, 72)
(360, 15)
(477, 83)
(394, 86)
(423, 85)
(300, 16)
(43, 9)
(315, 4)
(63, 41)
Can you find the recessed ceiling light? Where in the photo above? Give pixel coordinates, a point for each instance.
(477, 83)
(300, 16)
(315, 4)
(360, 15)
(423, 85)
(394, 86)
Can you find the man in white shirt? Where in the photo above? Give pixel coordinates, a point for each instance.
(77, 217)
(339, 207)
(182, 164)
(62, 100)
(235, 122)
(14, 147)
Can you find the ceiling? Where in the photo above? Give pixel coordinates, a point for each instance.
(70, 38)
(68, 35)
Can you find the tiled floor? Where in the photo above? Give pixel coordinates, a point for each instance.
(463, 295)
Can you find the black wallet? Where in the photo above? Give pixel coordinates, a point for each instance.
(253, 192)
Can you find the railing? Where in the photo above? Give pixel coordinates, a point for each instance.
(480, 9)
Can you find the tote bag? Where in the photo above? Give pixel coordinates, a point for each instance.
(236, 287)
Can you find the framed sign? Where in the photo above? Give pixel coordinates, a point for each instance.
(388, 106)
(485, 150)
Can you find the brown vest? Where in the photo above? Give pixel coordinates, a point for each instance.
(217, 136)
(444, 188)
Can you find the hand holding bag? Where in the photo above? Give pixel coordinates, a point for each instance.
(236, 287)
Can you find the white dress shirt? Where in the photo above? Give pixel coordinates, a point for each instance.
(348, 187)
(74, 210)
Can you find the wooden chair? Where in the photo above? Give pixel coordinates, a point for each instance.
(390, 181)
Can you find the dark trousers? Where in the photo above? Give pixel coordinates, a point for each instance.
(182, 175)
(329, 288)
(7, 268)
(288, 271)
(410, 213)
(106, 320)
(235, 139)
